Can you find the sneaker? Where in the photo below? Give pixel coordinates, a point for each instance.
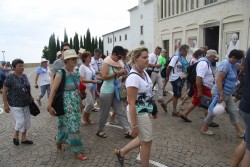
(208, 132)
(214, 125)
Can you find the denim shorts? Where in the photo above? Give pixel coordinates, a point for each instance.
(246, 118)
(177, 87)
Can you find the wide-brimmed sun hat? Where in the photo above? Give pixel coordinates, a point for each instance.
(82, 50)
(44, 60)
(71, 53)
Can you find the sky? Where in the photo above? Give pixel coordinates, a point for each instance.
(26, 25)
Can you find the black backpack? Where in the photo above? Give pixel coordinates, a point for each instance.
(164, 70)
(191, 71)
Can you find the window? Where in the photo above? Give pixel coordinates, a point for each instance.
(169, 7)
(177, 6)
(162, 8)
(173, 7)
(207, 2)
(192, 4)
(126, 37)
(108, 39)
(182, 6)
(187, 4)
(197, 4)
(141, 30)
(120, 38)
(115, 39)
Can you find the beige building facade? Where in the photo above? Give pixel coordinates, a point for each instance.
(222, 25)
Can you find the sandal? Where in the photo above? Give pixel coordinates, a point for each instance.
(128, 136)
(164, 107)
(101, 134)
(208, 132)
(81, 156)
(16, 141)
(185, 118)
(27, 142)
(119, 157)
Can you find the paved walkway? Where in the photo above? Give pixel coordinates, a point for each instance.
(176, 144)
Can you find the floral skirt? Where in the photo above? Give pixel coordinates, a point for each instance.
(69, 123)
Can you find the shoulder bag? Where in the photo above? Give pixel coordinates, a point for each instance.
(57, 103)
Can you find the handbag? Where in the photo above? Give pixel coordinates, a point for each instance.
(155, 110)
(57, 103)
(122, 91)
(34, 110)
(205, 102)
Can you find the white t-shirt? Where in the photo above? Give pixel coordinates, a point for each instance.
(152, 60)
(204, 71)
(87, 73)
(145, 95)
(44, 77)
(96, 64)
(177, 70)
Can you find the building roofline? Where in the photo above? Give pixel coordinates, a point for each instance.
(116, 31)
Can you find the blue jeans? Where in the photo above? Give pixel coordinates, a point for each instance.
(45, 88)
(246, 118)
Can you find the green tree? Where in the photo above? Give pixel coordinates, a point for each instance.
(45, 52)
(65, 36)
(52, 48)
(96, 43)
(88, 41)
(71, 43)
(58, 47)
(81, 42)
(92, 45)
(100, 44)
(84, 42)
(76, 43)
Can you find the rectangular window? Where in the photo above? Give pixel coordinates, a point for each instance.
(141, 30)
(177, 6)
(197, 4)
(207, 2)
(173, 7)
(162, 9)
(192, 4)
(115, 39)
(187, 5)
(108, 39)
(182, 6)
(120, 38)
(126, 37)
(169, 7)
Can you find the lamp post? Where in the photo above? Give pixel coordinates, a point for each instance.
(3, 54)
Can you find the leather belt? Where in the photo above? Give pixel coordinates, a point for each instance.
(156, 71)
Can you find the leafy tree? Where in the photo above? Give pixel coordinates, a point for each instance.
(58, 47)
(45, 52)
(76, 43)
(65, 36)
(92, 45)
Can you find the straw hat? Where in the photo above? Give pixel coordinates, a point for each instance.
(82, 50)
(71, 53)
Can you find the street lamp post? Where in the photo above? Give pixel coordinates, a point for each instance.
(3, 54)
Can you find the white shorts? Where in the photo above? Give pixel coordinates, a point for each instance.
(145, 129)
(22, 117)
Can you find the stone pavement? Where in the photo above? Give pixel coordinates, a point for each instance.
(176, 144)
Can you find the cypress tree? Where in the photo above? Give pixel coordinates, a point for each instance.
(88, 41)
(58, 47)
(65, 36)
(52, 48)
(76, 43)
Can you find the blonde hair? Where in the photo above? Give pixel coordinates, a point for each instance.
(135, 53)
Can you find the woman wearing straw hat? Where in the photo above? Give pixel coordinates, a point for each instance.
(42, 73)
(69, 123)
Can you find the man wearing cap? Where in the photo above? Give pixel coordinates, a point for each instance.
(96, 63)
(58, 55)
(204, 82)
(42, 72)
(59, 63)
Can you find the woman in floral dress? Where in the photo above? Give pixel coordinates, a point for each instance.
(69, 123)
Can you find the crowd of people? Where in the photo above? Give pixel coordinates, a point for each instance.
(140, 72)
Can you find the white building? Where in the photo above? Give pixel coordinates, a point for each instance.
(140, 31)
(194, 22)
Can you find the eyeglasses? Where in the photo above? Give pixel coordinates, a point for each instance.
(65, 49)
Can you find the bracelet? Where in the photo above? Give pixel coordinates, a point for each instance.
(134, 126)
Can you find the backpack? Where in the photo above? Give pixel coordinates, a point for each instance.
(191, 72)
(164, 70)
